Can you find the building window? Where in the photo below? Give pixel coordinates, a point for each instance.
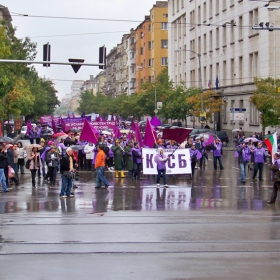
(217, 7)
(217, 38)
(184, 25)
(240, 70)
(240, 29)
(199, 15)
(199, 45)
(141, 51)
(173, 7)
(211, 40)
(192, 19)
(232, 71)
(253, 67)
(254, 114)
(149, 28)
(149, 63)
(232, 29)
(164, 44)
(224, 5)
(224, 73)
(149, 45)
(253, 19)
(224, 36)
(205, 43)
(164, 61)
(165, 15)
(210, 8)
(164, 25)
(204, 12)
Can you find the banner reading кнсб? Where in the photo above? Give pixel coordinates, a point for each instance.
(179, 162)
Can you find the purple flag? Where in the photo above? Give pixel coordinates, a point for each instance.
(117, 119)
(53, 126)
(138, 135)
(117, 132)
(98, 119)
(155, 121)
(103, 119)
(133, 126)
(150, 135)
(29, 126)
(89, 133)
(210, 140)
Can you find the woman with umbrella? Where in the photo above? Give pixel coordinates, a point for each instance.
(35, 162)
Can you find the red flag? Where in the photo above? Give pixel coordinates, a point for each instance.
(89, 133)
(150, 135)
(177, 134)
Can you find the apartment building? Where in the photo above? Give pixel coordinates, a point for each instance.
(100, 82)
(5, 17)
(151, 44)
(111, 73)
(220, 35)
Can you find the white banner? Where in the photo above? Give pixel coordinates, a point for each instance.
(179, 162)
(237, 116)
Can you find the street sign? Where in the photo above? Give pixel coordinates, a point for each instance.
(238, 109)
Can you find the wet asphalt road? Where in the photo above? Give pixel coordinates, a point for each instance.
(211, 227)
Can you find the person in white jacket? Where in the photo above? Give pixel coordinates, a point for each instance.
(89, 151)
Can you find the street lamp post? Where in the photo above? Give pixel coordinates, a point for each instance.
(200, 78)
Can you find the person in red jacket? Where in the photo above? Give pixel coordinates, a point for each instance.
(100, 167)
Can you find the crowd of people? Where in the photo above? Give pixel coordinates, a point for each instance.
(45, 159)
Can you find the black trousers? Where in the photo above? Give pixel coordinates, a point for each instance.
(276, 186)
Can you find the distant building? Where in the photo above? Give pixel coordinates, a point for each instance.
(111, 73)
(5, 17)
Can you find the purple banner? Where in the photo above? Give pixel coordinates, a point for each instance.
(78, 124)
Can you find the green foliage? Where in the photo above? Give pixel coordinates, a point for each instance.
(22, 91)
(266, 99)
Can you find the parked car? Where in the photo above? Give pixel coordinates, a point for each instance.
(23, 131)
(196, 131)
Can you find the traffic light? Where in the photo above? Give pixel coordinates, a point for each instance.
(102, 57)
(46, 54)
(202, 119)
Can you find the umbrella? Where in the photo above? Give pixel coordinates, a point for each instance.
(59, 134)
(236, 129)
(76, 147)
(105, 132)
(6, 139)
(124, 131)
(31, 146)
(253, 139)
(74, 130)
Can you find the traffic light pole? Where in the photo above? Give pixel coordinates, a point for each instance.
(50, 62)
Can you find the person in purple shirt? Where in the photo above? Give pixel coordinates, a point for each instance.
(243, 153)
(38, 130)
(161, 160)
(195, 155)
(217, 153)
(259, 154)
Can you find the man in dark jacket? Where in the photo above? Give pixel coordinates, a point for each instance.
(276, 184)
(67, 164)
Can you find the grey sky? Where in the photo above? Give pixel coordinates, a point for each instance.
(74, 46)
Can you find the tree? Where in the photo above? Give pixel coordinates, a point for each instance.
(211, 103)
(266, 99)
(175, 105)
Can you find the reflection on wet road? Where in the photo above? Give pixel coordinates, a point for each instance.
(208, 189)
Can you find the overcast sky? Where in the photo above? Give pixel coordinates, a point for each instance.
(64, 35)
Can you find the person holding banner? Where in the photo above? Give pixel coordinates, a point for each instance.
(161, 160)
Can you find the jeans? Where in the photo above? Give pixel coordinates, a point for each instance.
(163, 173)
(220, 162)
(65, 186)
(3, 179)
(258, 167)
(137, 170)
(243, 166)
(101, 177)
(43, 170)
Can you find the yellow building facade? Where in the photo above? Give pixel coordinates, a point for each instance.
(152, 44)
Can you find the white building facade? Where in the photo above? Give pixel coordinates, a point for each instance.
(231, 53)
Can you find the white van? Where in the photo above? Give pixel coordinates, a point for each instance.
(23, 131)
